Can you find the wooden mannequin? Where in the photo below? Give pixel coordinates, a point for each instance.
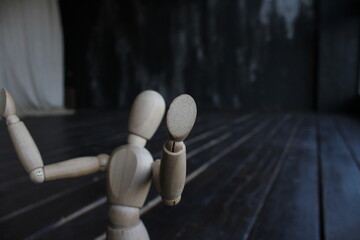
(130, 168)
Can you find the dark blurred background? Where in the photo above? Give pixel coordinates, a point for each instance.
(235, 54)
(300, 55)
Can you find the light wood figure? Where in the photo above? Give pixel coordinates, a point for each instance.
(130, 168)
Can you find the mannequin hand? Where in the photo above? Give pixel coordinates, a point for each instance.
(180, 120)
(7, 105)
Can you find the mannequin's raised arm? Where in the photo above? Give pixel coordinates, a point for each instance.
(169, 173)
(29, 154)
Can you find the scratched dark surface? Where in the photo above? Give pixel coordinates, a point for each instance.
(259, 176)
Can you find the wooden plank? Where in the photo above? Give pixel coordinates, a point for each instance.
(292, 208)
(103, 140)
(53, 140)
(340, 182)
(19, 192)
(349, 129)
(90, 189)
(48, 129)
(222, 203)
(104, 211)
(96, 226)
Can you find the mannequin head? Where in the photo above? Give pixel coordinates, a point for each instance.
(146, 114)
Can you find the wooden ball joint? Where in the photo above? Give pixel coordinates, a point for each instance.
(129, 169)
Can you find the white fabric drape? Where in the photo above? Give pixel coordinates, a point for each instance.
(31, 53)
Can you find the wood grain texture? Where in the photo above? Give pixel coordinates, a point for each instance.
(129, 176)
(72, 168)
(146, 114)
(61, 137)
(135, 233)
(349, 129)
(340, 181)
(221, 203)
(75, 135)
(95, 220)
(262, 193)
(292, 208)
(25, 147)
(156, 174)
(172, 175)
(123, 217)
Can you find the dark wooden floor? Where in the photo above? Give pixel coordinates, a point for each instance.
(250, 176)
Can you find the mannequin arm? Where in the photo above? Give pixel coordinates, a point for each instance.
(76, 167)
(29, 154)
(156, 174)
(169, 173)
